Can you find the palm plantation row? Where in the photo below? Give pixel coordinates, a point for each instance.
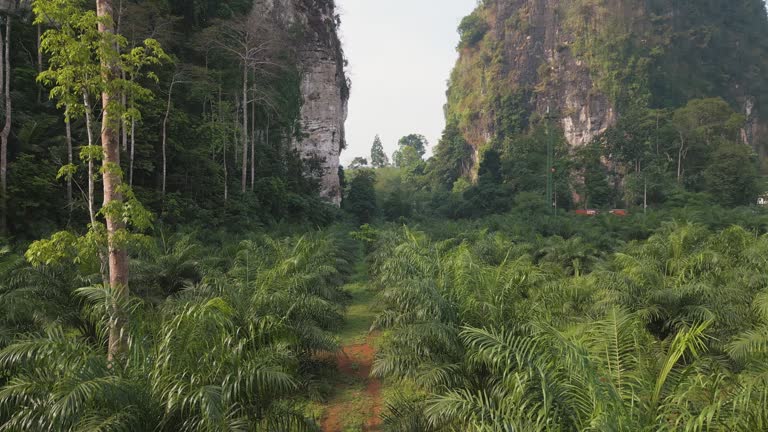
(489, 334)
(219, 339)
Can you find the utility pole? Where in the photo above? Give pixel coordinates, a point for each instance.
(645, 194)
(551, 194)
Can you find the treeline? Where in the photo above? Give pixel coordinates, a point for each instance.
(650, 160)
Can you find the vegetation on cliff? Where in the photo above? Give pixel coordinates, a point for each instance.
(526, 66)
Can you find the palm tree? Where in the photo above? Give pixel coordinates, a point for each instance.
(507, 344)
(223, 353)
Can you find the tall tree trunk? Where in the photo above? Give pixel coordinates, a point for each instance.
(70, 159)
(89, 134)
(680, 155)
(253, 147)
(133, 151)
(245, 126)
(165, 133)
(123, 96)
(118, 256)
(6, 132)
(224, 147)
(103, 258)
(2, 67)
(235, 134)
(645, 194)
(39, 63)
(123, 122)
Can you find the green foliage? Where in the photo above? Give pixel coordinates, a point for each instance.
(204, 128)
(407, 157)
(410, 152)
(220, 337)
(379, 158)
(732, 175)
(397, 206)
(77, 55)
(472, 30)
(496, 338)
(452, 159)
(358, 162)
(596, 190)
(360, 199)
(667, 69)
(703, 51)
(417, 142)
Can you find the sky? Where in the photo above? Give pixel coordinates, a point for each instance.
(400, 54)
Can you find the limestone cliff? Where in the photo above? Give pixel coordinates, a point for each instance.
(325, 91)
(324, 87)
(587, 61)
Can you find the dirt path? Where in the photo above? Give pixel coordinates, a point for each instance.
(356, 407)
(357, 403)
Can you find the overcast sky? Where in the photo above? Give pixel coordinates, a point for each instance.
(400, 53)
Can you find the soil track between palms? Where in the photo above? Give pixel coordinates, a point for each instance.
(356, 403)
(355, 361)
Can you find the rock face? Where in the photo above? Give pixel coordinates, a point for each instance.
(324, 87)
(526, 69)
(562, 84)
(584, 62)
(325, 92)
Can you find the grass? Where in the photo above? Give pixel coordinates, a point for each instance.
(360, 312)
(359, 406)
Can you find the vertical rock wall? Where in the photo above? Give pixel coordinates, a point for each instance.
(538, 57)
(325, 92)
(324, 87)
(526, 51)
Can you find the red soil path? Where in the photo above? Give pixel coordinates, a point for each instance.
(355, 361)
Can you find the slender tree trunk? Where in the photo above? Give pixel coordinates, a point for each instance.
(680, 159)
(70, 159)
(118, 256)
(103, 258)
(236, 135)
(224, 147)
(645, 195)
(89, 134)
(123, 122)
(245, 127)
(133, 151)
(2, 66)
(165, 134)
(123, 97)
(253, 147)
(6, 132)
(164, 148)
(39, 63)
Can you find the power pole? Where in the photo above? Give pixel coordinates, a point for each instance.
(645, 194)
(551, 194)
